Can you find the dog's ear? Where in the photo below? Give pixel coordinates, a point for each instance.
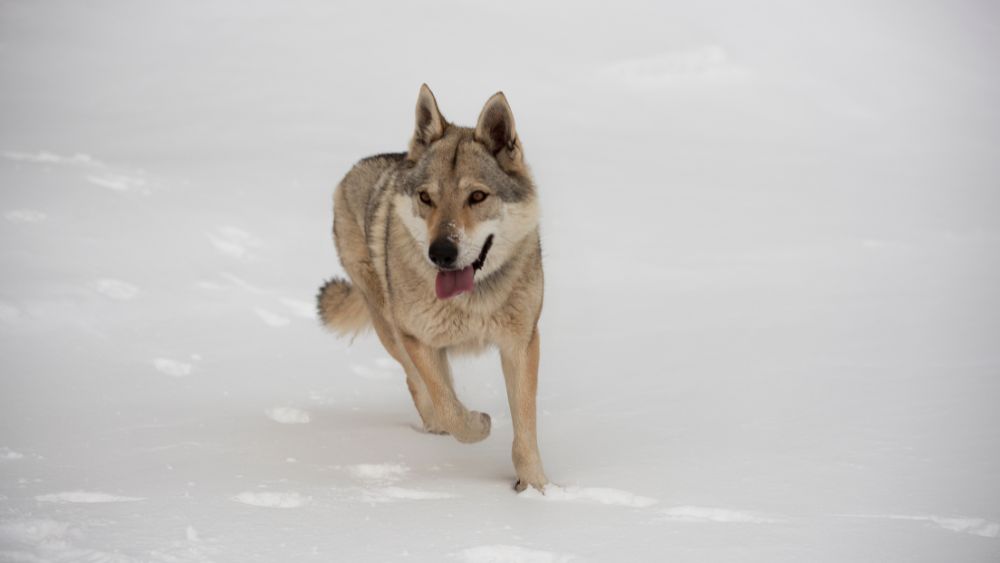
(495, 130)
(430, 124)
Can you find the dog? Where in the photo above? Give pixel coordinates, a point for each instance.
(441, 245)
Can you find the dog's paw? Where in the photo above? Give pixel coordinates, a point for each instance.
(435, 429)
(531, 475)
(477, 428)
(522, 484)
(429, 429)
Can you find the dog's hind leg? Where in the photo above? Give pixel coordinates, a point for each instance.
(432, 367)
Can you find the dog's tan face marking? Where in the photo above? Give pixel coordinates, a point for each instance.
(457, 191)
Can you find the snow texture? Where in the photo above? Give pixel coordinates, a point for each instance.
(771, 239)
(7, 454)
(270, 499)
(378, 472)
(287, 415)
(24, 216)
(116, 289)
(974, 526)
(391, 494)
(510, 554)
(83, 497)
(719, 515)
(597, 495)
(173, 368)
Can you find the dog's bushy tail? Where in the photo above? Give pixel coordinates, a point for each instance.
(342, 308)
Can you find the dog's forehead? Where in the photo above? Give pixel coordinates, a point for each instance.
(485, 170)
(472, 163)
(458, 160)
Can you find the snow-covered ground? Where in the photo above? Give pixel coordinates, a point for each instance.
(772, 325)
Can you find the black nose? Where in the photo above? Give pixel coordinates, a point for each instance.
(443, 253)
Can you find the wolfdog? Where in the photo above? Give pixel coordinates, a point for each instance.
(442, 249)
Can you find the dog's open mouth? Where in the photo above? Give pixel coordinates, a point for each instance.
(450, 283)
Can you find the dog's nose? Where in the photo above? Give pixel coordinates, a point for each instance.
(443, 252)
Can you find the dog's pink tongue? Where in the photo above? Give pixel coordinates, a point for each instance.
(450, 284)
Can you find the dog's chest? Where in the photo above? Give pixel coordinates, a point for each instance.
(444, 323)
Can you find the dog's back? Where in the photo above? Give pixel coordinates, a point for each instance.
(357, 203)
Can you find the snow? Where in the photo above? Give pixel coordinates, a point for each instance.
(974, 526)
(721, 515)
(33, 530)
(234, 242)
(287, 415)
(771, 318)
(378, 472)
(24, 216)
(510, 554)
(7, 454)
(598, 495)
(269, 499)
(707, 63)
(272, 319)
(49, 158)
(83, 497)
(173, 368)
(390, 494)
(116, 289)
(301, 309)
(118, 183)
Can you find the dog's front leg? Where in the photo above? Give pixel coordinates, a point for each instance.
(520, 372)
(432, 364)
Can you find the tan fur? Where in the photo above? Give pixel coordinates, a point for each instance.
(342, 308)
(382, 231)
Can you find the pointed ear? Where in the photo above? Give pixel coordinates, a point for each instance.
(495, 130)
(430, 124)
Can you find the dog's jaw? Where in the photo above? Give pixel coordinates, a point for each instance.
(451, 283)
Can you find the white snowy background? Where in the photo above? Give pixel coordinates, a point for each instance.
(772, 248)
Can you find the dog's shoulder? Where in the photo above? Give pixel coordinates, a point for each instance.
(365, 173)
(382, 159)
(368, 177)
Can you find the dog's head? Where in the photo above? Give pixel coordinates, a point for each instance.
(467, 198)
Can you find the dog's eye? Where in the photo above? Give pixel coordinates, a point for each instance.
(425, 198)
(477, 197)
